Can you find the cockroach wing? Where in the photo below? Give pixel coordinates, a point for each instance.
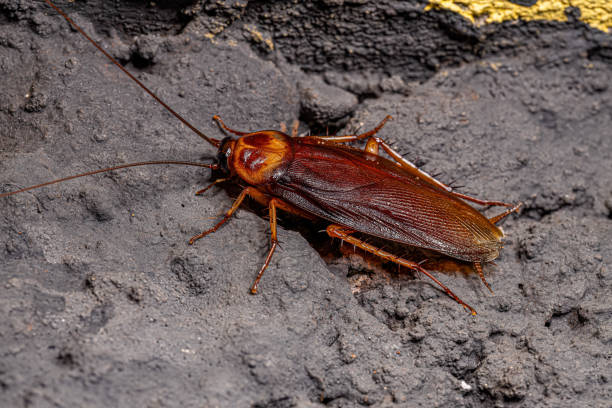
(373, 195)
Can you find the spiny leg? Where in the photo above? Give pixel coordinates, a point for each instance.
(228, 214)
(273, 242)
(273, 204)
(494, 220)
(344, 233)
(372, 147)
(506, 213)
(478, 267)
(348, 138)
(375, 142)
(217, 181)
(222, 124)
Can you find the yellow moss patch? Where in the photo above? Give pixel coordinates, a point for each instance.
(596, 13)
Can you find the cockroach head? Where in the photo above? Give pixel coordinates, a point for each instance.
(225, 151)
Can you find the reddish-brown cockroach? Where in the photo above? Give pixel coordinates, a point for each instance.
(356, 191)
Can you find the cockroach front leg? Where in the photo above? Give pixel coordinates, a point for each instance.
(294, 127)
(217, 181)
(344, 233)
(247, 191)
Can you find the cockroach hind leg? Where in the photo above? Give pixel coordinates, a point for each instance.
(506, 213)
(446, 289)
(415, 170)
(344, 233)
(478, 268)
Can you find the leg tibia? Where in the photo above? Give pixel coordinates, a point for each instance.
(337, 231)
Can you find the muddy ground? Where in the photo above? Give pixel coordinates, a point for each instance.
(103, 303)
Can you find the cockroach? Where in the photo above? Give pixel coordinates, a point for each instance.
(355, 191)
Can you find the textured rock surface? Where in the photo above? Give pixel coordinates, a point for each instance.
(104, 304)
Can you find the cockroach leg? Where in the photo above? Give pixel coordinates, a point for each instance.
(217, 181)
(506, 213)
(373, 145)
(348, 138)
(413, 169)
(294, 128)
(228, 214)
(273, 204)
(273, 242)
(344, 233)
(265, 199)
(479, 201)
(222, 124)
(478, 267)
(405, 164)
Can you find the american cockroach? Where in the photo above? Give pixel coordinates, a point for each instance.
(355, 191)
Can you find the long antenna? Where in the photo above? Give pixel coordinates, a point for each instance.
(212, 141)
(121, 166)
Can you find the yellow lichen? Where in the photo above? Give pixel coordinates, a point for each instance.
(596, 13)
(269, 43)
(258, 37)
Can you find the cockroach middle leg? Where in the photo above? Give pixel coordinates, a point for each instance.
(344, 233)
(224, 126)
(254, 194)
(273, 242)
(273, 204)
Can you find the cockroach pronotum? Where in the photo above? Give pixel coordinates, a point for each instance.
(356, 191)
